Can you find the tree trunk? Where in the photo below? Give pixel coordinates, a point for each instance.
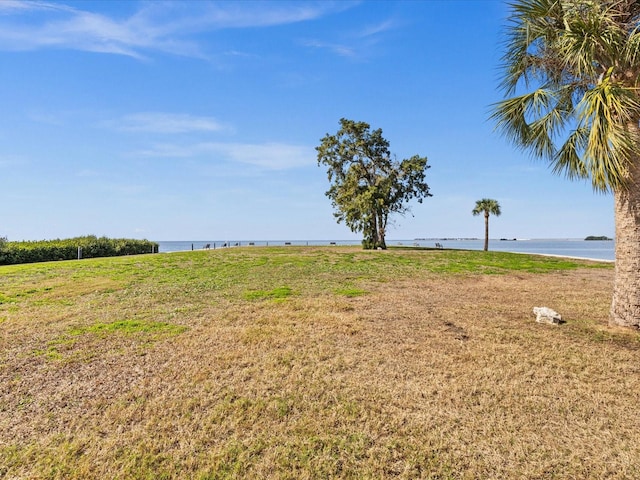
(486, 231)
(625, 307)
(370, 234)
(381, 232)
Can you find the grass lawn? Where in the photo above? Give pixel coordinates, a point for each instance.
(315, 362)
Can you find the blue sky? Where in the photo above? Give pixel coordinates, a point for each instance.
(198, 120)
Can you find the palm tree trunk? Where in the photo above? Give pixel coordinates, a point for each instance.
(625, 307)
(486, 231)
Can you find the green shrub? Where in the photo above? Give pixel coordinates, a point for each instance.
(12, 253)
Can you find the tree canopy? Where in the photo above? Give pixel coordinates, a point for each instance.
(580, 62)
(367, 184)
(487, 206)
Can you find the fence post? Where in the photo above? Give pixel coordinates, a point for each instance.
(79, 253)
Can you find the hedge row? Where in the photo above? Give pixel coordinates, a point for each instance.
(12, 253)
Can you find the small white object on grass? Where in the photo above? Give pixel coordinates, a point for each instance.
(547, 315)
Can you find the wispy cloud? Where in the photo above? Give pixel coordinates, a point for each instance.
(378, 28)
(274, 156)
(357, 43)
(157, 122)
(157, 26)
(219, 15)
(268, 156)
(342, 50)
(12, 6)
(33, 25)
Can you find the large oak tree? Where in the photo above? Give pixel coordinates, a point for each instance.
(367, 185)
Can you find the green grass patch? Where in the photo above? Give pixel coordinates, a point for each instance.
(279, 293)
(351, 292)
(69, 346)
(6, 299)
(129, 327)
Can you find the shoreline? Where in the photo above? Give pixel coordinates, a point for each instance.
(572, 257)
(304, 243)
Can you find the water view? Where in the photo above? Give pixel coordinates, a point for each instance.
(594, 249)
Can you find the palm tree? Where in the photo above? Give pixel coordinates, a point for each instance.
(488, 206)
(578, 62)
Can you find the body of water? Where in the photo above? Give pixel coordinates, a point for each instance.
(595, 249)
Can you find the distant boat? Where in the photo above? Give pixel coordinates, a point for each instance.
(508, 239)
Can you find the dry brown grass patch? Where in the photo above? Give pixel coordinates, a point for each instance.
(426, 376)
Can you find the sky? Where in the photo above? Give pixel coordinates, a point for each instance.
(198, 120)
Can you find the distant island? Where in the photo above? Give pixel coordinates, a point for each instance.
(447, 238)
(594, 237)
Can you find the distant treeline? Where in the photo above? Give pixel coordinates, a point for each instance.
(598, 237)
(12, 253)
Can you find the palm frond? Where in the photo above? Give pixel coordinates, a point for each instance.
(511, 121)
(580, 62)
(532, 25)
(569, 159)
(592, 38)
(534, 120)
(631, 50)
(605, 111)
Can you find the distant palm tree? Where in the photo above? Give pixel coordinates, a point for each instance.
(488, 206)
(572, 87)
